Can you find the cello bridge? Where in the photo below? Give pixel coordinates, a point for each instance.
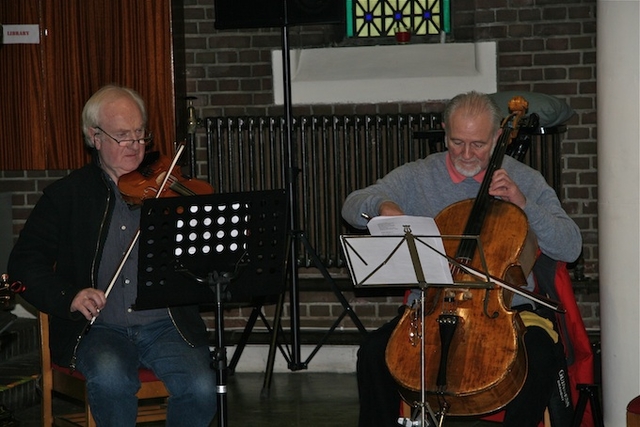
(453, 297)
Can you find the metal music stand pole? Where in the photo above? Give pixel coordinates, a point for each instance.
(425, 410)
(220, 356)
(218, 283)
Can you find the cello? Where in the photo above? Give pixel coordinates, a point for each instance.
(474, 356)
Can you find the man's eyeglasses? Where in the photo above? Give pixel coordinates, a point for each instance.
(144, 139)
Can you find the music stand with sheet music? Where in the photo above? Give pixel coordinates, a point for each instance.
(396, 257)
(406, 251)
(409, 261)
(212, 249)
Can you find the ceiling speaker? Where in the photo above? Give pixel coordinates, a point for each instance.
(238, 14)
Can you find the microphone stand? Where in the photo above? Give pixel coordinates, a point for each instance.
(291, 174)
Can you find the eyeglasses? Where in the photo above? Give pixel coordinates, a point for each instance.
(142, 140)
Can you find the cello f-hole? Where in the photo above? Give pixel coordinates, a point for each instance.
(486, 307)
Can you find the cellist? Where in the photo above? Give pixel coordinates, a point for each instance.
(427, 186)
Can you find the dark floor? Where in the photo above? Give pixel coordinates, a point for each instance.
(295, 399)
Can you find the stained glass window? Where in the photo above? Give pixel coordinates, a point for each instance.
(382, 18)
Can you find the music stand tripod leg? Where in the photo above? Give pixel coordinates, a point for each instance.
(268, 375)
(242, 343)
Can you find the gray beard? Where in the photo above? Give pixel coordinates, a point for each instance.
(468, 173)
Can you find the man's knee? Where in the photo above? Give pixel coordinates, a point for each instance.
(111, 375)
(193, 382)
(204, 386)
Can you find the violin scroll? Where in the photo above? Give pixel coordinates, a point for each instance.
(8, 291)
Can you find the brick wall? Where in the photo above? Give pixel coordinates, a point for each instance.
(544, 46)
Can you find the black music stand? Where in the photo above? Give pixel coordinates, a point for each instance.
(212, 249)
(395, 260)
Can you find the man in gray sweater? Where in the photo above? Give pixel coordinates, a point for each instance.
(427, 186)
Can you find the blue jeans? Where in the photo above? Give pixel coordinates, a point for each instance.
(109, 358)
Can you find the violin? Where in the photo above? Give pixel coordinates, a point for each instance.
(145, 182)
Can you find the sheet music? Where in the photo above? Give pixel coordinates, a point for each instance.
(394, 225)
(384, 257)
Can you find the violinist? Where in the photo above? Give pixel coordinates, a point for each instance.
(68, 253)
(426, 187)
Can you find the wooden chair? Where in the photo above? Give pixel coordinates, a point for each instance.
(633, 412)
(63, 382)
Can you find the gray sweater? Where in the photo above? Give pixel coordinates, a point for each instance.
(424, 188)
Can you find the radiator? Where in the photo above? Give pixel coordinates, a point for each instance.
(332, 156)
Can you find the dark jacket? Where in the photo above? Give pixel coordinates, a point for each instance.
(58, 252)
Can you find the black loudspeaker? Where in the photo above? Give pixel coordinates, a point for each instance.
(237, 14)
(315, 12)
